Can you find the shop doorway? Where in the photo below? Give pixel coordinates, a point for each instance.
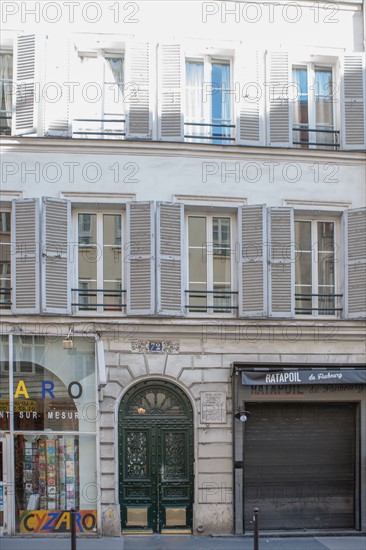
(156, 459)
(3, 485)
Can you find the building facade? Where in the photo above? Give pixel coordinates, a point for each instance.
(183, 267)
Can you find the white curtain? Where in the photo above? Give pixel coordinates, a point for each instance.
(6, 75)
(194, 100)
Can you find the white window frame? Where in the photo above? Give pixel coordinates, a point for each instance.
(338, 262)
(233, 280)
(311, 66)
(207, 61)
(7, 311)
(99, 310)
(9, 51)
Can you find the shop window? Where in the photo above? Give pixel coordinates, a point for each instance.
(99, 265)
(210, 265)
(100, 110)
(313, 108)
(6, 92)
(208, 112)
(315, 268)
(5, 264)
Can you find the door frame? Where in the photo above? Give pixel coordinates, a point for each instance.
(8, 493)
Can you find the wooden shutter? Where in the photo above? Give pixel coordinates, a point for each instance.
(353, 101)
(140, 258)
(170, 72)
(56, 97)
(137, 91)
(252, 261)
(26, 112)
(277, 97)
(355, 276)
(25, 258)
(249, 70)
(55, 273)
(281, 287)
(169, 258)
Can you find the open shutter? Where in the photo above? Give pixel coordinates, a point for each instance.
(251, 104)
(252, 261)
(170, 255)
(25, 257)
(170, 72)
(140, 256)
(137, 94)
(355, 276)
(353, 101)
(55, 273)
(278, 100)
(26, 112)
(56, 100)
(281, 287)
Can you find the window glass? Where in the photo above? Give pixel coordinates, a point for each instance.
(4, 384)
(5, 261)
(221, 101)
(6, 92)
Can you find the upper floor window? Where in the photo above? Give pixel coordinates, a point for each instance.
(208, 113)
(315, 261)
(5, 266)
(100, 110)
(313, 110)
(99, 266)
(6, 92)
(210, 271)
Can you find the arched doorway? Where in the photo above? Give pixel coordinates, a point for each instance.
(156, 458)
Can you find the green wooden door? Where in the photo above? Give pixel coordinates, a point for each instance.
(156, 459)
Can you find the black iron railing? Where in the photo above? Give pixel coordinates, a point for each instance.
(5, 298)
(5, 129)
(222, 301)
(89, 299)
(118, 133)
(214, 135)
(321, 304)
(307, 142)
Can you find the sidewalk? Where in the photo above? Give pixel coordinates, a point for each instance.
(185, 542)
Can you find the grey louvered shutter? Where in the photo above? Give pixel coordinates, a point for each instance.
(281, 287)
(137, 90)
(169, 258)
(353, 102)
(26, 256)
(252, 261)
(26, 112)
(355, 276)
(170, 70)
(140, 258)
(55, 273)
(249, 67)
(278, 100)
(56, 100)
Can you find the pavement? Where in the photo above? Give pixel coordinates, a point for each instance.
(185, 542)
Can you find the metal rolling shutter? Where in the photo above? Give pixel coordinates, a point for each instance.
(299, 465)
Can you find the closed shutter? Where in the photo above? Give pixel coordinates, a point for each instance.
(55, 275)
(26, 112)
(140, 258)
(252, 261)
(251, 103)
(281, 288)
(353, 101)
(137, 91)
(56, 96)
(25, 258)
(278, 100)
(169, 257)
(355, 276)
(170, 72)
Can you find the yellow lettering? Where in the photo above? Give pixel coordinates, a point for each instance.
(65, 518)
(21, 390)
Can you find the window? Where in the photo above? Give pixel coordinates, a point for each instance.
(208, 115)
(315, 283)
(100, 108)
(5, 266)
(209, 265)
(313, 110)
(99, 263)
(6, 92)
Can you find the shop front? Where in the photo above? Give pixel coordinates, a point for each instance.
(299, 454)
(48, 435)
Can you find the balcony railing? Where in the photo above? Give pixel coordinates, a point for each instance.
(215, 132)
(5, 298)
(216, 301)
(5, 129)
(97, 299)
(304, 131)
(318, 304)
(83, 127)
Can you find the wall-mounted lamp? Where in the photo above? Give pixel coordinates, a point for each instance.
(68, 343)
(241, 414)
